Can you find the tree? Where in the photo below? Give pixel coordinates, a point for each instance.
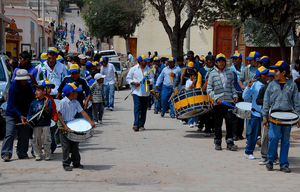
(277, 17)
(176, 33)
(107, 18)
(79, 3)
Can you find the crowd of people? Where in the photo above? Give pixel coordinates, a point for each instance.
(269, 89)
(86, 87)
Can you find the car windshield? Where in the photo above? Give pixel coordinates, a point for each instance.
(2, 75)
(117, 65)
(107, 53)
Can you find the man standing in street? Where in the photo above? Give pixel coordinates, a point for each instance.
(109, 84)
(140, 92)
(130, 57)
(190, 57)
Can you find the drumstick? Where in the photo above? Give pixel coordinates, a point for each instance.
(263, 134)
(43, 109)
(117, 88)
(21, 123)
(70, 130)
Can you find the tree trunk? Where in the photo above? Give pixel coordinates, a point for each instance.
(296, 48)
(109, 45)
(127, 45)
(283, 50)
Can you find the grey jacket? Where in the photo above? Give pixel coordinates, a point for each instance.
(281, 100)
(97, 93)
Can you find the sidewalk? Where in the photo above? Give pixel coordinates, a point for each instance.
(167, 156)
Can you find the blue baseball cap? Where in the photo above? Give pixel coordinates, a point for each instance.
(143, 58)
(74, 68)
(52, 50)
(281, 64)
(261, 70)
(265, 60)
(70, 87)
(220, 56)
(89, 65)
(102, 59)
(237, 55)
(271, 72)
(48, 83)
(171, 59)
(253, 55)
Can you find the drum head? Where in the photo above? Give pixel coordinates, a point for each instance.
(284, 116)
(244, 105)
(52, 123)
(79, 125)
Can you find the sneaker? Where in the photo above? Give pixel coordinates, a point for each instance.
(167, 111)
(58, 145)
(32, 153)
(173, 116)
(241, 137)
(142, 128)
(78, 166)
(206, 134)
(232, 147)
(105, 108)
(276, 162)
(191, 125)
(162, 114)
(269, 166)
(38, 158)
(6, 157)
(218, 147)
(235, 138)
(26, 157)
(182, 121)
(149, 108)
(111, 109)
(100, 121)
(285, 169)
(199, 129)
(155, 112)
(249, 156)
(95, 122)
(195, 124)
(48, 158)
(68, 168)
(135, 128)
(263, 161)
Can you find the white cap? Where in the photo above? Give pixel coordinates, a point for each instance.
(99, 76)
(81, 56)
(22, 74)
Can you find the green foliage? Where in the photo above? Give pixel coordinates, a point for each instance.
(107, 18)
(79, 3)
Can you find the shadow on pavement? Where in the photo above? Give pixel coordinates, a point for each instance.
(96, 148)
(97, 167)
(159, 129)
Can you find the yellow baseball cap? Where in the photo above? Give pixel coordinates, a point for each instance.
(52, 50)
(74, 68)
(44, 57)
(220, 56)
(142, 57)
(171, 59)
(190, 65)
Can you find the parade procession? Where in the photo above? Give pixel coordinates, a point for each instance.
(110, 96)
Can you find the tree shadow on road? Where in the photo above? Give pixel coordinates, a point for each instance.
(96, 148)
(159, 129)
(97, 167)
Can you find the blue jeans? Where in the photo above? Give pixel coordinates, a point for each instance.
(165, 96)
(157, 103)
(109, 95)
(23, 137)
(248, 121)
(255, 130)
(276, 133)
(140, 110)
(78, 49)
(192, 120)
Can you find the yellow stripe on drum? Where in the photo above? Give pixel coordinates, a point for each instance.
(191, 101)
(277, 122)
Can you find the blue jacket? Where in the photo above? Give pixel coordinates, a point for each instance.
(197, 65)
(19, 100)
(253, 92)
(36, 106)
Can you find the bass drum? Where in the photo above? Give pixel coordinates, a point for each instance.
(82, 130)
(191, 103)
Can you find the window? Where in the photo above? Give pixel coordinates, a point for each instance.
(2, 74)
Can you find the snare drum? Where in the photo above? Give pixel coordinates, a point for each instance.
(36, 118)
(82, 130)
(284, 118)
(191, 103)
(243, 110)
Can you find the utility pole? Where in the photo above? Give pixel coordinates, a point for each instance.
(39, 14)
(188, 34)
(43, 34)
(1, 27)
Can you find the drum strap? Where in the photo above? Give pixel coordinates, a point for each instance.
(254, 110)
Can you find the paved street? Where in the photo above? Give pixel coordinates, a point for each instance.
(167, 156)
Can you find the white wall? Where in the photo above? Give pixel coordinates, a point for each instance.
(151, 36)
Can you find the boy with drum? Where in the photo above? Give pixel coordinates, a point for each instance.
(281, 95)
(221, 89)
(41, 133)
(251, 91)
(67, 109)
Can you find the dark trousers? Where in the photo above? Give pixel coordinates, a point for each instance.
(23, 137)
(67, 148)
(238, 123)
(98, 111)
(140, 110)
(208, 120)
(220, 112)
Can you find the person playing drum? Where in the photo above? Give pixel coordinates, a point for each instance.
(252, 90)
(67, 109)
(41, 133)
(191, 84)
(221, 89)
(281, 95)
